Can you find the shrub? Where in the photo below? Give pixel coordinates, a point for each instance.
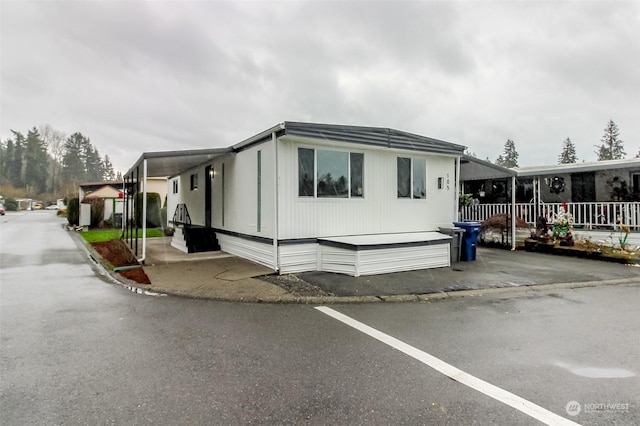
(97, 212)
(154, 217)
(10, 204)
(73, 211)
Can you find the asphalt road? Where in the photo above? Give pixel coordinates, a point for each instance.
(77, 349)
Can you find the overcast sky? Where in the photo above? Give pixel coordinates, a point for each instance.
(139, 76)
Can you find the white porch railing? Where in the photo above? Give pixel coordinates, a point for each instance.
(587, 215)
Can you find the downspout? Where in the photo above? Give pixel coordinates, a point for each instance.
(144, 212)
(276, 258)
(456, 186)
(513, 212)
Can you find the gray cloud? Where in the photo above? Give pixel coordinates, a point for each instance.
(142, 75)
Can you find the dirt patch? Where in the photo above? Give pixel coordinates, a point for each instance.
(295, 285)
(117, 253)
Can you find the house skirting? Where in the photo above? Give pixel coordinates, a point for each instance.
(353, 255)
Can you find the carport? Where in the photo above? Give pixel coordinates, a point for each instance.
(156, 164)
(477, 173)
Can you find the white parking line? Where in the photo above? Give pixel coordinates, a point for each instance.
(521, 404)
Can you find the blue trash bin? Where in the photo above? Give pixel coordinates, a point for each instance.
(469, 240)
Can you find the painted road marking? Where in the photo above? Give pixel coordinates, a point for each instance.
(506, 397)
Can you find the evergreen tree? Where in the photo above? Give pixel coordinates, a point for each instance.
(612, 147)
(568, 154)
(73, 164)
(93, 163)
(109, 173)
(509, 157)
(6, 155)
(14, 166)
(35, 163)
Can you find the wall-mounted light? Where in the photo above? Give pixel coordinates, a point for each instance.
(212, 172)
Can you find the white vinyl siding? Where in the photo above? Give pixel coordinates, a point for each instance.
(379, 211)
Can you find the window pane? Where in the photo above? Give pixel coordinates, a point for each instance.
(357, 168)
(404, 177)
(419, 178)
(305, 172)
(333, 170)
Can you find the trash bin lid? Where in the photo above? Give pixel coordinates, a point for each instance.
(467, 224)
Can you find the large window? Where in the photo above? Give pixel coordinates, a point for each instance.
(330, 174)
(412, 177)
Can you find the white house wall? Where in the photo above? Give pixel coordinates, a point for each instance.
(194, 199)
(172, 199)
(240, 198)
(379, 211)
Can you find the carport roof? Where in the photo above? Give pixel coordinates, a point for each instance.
(171, 163)
(472, 168)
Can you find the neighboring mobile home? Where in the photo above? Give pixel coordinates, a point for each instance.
(595, 193)
(305, 197)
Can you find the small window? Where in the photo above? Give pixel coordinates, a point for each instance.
(194, 181)
(412, 176)
(306, 169)
(357, 172)
(175, 186)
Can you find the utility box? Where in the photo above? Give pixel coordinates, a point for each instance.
(469, 240)
(456, 241)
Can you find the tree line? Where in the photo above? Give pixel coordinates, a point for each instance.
(45, 164)
(611, 148)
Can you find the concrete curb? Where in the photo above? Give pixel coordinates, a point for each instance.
(149, 290)
(428, 297)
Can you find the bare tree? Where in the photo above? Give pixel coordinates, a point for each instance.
(54, 139)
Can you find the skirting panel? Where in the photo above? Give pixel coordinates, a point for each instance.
(252, 250)
(296, 258)
(383, 261)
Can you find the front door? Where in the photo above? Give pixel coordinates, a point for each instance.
(207, 196)
(583, 187)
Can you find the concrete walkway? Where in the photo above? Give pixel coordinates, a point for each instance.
(220, 276)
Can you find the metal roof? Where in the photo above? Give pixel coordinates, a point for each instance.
(374, 136)
(578, 167)
(171, 163)
(472, 168)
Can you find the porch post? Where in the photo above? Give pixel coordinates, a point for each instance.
(513, 212)
(144, 211)
(456, 186)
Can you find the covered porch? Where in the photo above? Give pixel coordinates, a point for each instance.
(164, 164)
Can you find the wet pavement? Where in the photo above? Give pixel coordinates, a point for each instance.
(220, 276)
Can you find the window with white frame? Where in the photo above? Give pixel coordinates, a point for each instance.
(330, 174)
(194, 181)
(412, 178)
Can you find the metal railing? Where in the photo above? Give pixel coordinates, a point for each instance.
(592, 215)
(181, 215)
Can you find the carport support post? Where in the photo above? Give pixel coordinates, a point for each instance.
(456, 194)
(144, 211)
(513, 212)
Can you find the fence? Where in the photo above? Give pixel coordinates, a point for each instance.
(586, 215)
